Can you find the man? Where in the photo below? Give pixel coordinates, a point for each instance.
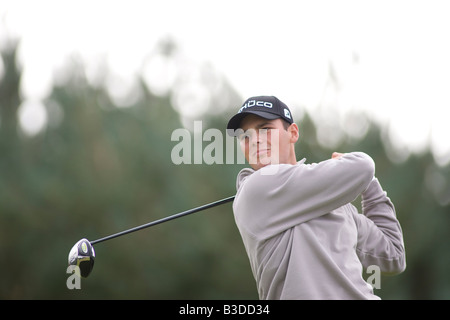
(303, 238)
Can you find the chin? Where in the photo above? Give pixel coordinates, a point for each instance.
(262, 162)
(259, 165)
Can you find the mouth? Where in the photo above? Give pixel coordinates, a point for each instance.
(262, 152)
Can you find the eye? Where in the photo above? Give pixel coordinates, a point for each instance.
(265, 130)
(243, 137)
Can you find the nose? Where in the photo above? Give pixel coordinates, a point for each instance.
(258, 137)
(255, 138)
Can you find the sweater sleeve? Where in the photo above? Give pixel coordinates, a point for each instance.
(380, 237)
(272, 203)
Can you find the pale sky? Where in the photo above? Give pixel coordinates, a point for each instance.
(391, 58)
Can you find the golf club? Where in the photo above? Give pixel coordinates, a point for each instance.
(82, 253)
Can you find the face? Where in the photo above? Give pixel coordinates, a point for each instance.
(267, 142)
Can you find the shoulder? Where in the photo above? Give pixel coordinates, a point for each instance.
(269, 176)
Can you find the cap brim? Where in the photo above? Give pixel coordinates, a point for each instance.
(235, 121)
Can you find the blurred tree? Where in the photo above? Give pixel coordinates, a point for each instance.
(98, 168)
(11, 177)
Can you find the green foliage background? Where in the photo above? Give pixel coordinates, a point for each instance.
(99, 168)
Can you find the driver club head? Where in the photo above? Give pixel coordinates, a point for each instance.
(82, 255)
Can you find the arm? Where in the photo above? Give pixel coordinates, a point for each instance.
(380, 238)
(270, 204)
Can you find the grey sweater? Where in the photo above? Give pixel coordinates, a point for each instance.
(305, 240)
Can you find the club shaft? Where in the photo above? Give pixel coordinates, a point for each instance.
(172, 217)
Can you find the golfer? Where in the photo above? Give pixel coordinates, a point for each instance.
(303, 237)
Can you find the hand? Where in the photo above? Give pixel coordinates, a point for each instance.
(336, 155)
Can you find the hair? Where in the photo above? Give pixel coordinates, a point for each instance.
(286, 124)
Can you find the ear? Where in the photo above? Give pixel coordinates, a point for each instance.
(294, 132)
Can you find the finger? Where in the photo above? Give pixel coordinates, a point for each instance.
(336, 155)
